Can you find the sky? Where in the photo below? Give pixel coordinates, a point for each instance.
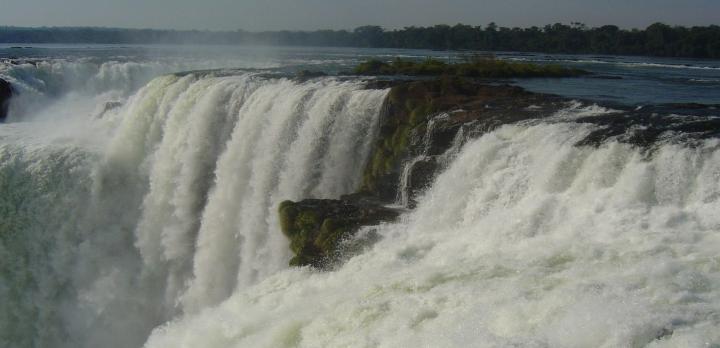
(258, 15)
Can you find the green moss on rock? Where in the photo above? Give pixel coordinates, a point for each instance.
(317, 228)
(477, 66)
(287, 213)
(406, 112)
(410, 105)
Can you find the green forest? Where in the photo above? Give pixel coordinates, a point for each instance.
(656, 40)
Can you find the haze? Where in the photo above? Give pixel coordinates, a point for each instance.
(257, 15)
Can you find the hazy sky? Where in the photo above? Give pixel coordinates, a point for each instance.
(347, 14)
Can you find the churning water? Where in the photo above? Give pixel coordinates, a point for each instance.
(152, 222)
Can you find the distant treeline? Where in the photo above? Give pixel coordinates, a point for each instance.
(656, 40)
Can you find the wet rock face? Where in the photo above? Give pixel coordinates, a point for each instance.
(409, 126)
(321, 231)
(420, 175)
(6, 93)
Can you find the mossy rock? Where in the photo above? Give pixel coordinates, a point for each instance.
(316, 228)
(287, 213)
(406, 112)
(476, 67)
(410, 105)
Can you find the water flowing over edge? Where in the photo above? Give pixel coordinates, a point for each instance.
(177, 210)
(49, 87)
(525, 240)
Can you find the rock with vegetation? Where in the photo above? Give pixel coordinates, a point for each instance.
(6, 93)
(321, 231)
(423, 118)
(473, 66)
(419, 118)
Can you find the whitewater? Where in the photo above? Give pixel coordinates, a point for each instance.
(525, 241)
(152, 222)
(175, 210)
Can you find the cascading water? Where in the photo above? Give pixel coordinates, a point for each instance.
(154, 223)
(406, 191)
(88, 84)
(526, 241)
(176, 212)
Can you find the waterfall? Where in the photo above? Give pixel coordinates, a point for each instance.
(524, 240)
(407, 192)
(154, 223)
(40, 83)
(173, 208)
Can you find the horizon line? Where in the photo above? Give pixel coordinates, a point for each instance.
(572, 23)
